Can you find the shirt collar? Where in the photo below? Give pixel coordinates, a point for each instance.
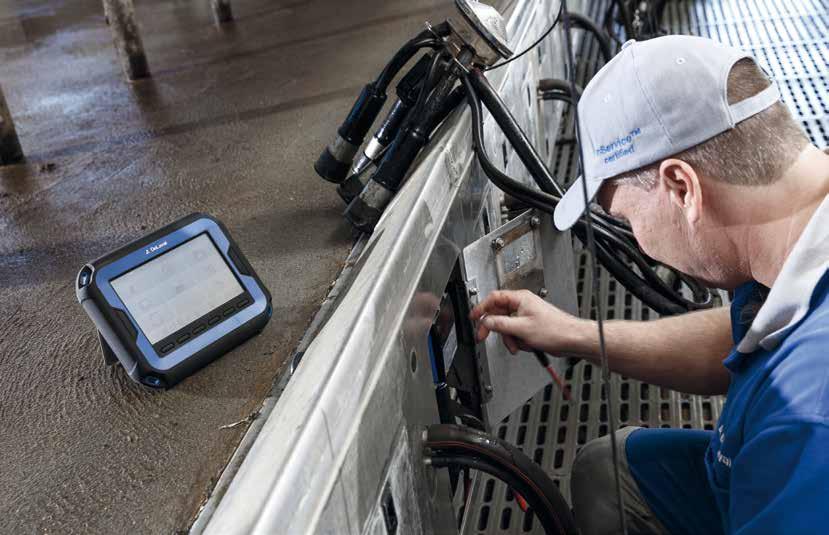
(789, 298)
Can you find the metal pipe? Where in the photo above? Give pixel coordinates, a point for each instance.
(120, 16)
(221, 11)
(10, 150)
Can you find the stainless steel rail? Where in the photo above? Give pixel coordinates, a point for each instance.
(342, 442)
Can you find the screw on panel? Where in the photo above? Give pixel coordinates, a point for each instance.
(543, 292)
(10, 150)
(498, 243)
(488, 389)
(120, 16)
(535, 221)
(221, 11)
(473, 290)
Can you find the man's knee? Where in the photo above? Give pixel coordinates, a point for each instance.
(592, 476)
(593, 488)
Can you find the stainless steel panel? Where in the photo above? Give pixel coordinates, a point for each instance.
(525, 253)
(324, 452)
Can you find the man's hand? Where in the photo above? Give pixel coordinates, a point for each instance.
(682, 352)
(525, 322)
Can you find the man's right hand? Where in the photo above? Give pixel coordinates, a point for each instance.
(682, 352)
(526, 322)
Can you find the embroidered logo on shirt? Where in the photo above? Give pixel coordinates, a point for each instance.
(724, 459)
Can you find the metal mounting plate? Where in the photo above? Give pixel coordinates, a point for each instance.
(526, 253)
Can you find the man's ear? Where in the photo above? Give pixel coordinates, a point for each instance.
(683, 186)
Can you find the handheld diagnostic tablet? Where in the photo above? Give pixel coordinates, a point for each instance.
(169, 303)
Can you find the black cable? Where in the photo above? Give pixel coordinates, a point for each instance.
(649, 14)
(426, 88)
(537, 199)
(654, 280)
(535, 44)
(591, 244)
(451, 445)
(585, 23)
(651, 290)
(549, 521)
(424, 39)
(627, 19)
(608, 23)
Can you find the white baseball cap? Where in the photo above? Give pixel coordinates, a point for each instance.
(655, 99)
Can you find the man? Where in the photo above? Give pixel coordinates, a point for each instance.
(688, 141)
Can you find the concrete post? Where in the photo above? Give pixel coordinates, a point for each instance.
(221, 11)
(10, 151)
(121, 18)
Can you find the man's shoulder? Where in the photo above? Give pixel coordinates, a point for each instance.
(812, 333)
(796, 383)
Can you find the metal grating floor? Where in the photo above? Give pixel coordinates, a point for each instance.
(791, 41)
(789, 38)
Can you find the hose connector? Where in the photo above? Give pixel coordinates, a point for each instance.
(335, 161)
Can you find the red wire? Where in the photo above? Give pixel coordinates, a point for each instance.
(565, 392)
(522, 503)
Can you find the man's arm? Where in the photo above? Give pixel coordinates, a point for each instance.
(681, 352)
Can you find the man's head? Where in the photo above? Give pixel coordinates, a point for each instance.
(703, 122)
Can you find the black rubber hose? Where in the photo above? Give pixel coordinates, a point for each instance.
(556, 84)
(536, 199)
(546, 203)
(550, 522)
(336, 159)
(425, 88)
(549, 196)
(540, 200)
(521, 192)
(453, 445)
(513, 132)
(608, 23)
(577, 20)
(654, 280)
(633, 283)
(423, 40)
(627, 20)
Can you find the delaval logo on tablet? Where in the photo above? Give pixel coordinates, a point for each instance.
(155, 248)
(618, 148)
(164, 317)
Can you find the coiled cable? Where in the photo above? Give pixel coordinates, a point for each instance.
(614, 241)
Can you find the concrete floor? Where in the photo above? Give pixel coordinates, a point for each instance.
(229, 124)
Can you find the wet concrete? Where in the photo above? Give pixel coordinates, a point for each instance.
(229, 124)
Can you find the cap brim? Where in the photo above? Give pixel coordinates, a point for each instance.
(571, 207)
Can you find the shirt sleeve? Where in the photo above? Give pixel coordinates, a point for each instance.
(779, 480)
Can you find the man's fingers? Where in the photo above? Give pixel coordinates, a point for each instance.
(511, 325)
(499, 302)
(511, 343)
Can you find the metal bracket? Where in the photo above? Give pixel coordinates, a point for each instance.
(524, 254)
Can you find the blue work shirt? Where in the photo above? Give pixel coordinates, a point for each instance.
(766, 466)
(768, 460)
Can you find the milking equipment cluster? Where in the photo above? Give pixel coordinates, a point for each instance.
(455, 56)
(458, 53)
